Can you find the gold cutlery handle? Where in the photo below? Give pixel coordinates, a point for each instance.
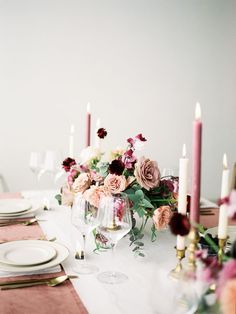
(32, 281)
(24, 285)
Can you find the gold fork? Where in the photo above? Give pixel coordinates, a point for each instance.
(52, 282)
(18, 222)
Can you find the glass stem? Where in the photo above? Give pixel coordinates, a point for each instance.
(113, 251)
(84, 246)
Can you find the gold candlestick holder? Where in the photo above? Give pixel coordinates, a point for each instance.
(192, 248)
(177, 271)
(222, 243)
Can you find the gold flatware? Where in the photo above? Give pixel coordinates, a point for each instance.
(19, 222)
(54, 281)
(43, 238)
(207, 214)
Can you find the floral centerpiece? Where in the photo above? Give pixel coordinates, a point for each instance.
(150, 196)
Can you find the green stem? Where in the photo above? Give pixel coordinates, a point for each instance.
(207, 238)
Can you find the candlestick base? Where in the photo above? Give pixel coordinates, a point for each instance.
(222, 243)
(192, 248)
(176, 273)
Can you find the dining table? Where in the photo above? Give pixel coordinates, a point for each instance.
(149, 288)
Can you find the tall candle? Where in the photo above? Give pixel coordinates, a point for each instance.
(88, 125)
(225, 189)
(182, 194)
(71, 141)
(97, 140)
(196, 167)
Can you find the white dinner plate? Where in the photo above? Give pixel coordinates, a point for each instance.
(35, 206)
(231, 232)
(14, 206)
(26, 253)
(62, 254)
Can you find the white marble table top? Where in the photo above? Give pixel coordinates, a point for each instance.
(148, 289)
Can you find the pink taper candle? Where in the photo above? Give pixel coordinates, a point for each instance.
(196, 166)
(88, 125)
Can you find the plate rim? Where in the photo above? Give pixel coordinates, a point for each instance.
(62, 254)
(216, 228)
(12, 200)
(35, 207)
(25, 244)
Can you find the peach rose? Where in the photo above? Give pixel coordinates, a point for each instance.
(228, 297)
(161, 217)
(82, 183)
(115, 183)
(94, 194)
(147, 173)
(67, 196)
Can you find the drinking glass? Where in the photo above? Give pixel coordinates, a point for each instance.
(36, 163)
(114, 223)
(84, 218)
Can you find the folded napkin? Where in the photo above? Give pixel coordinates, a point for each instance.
(204, 203)
(55, 269)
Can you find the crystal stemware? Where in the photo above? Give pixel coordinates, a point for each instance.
(114, 223)
(36, 163)
(84, 218)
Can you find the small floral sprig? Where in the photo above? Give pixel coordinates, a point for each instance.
(230, 202)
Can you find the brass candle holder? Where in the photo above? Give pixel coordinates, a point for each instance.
(177, 271)
(192, 248)
(222, 243)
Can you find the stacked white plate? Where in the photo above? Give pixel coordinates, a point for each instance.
(31, 255)
(14, 208)
(231, 232)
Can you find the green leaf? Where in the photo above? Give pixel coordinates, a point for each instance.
(141, 254)
(154, 233)
(138, 243)
(134, 198)
(147, 204)
(58, 198)
(140, 210)
(139, 194)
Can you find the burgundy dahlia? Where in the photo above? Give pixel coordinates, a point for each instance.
(179, 224)
(116, 167)
(68, 163)
(102, 133)
(140, 137)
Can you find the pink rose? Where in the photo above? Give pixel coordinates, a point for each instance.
(115, 183)
(67, 196)
(95, 193)
(147, 173)
(228, 297)
(82, 183)
(161, 217)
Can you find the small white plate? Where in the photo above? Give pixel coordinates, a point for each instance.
(26, 253)
(62, 254)
(14, 206)
(35, 206)
(231, 232)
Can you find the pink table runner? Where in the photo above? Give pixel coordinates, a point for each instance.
(212, 220)
(61, 299)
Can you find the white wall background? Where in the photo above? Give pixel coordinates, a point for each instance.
(141, 64)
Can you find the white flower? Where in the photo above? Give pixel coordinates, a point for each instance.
(89, 153)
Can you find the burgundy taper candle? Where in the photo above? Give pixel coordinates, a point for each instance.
(88, 125)
(196, 166)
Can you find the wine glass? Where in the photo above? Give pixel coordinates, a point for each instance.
(36, 163)
(167, 172)
(84, 218)
(114, 223)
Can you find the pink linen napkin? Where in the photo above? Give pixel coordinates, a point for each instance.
(61, 299)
